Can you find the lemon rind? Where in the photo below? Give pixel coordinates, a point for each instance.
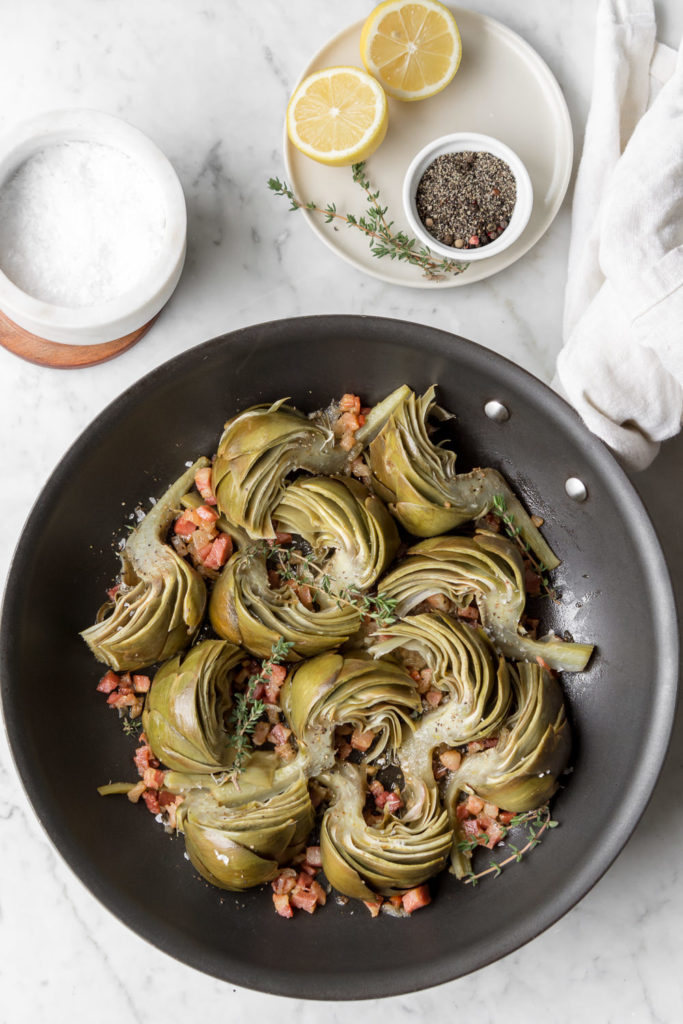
(371, 138)
(368, 31)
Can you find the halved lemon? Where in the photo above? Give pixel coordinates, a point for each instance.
(412, 47)
(338, 116)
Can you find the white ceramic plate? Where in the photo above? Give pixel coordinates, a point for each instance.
(502, 88)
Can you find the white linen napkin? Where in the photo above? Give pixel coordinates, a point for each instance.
(622, 364)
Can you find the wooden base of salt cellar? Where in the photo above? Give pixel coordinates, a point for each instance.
(63, 357)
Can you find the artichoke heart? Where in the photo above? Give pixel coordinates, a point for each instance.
(161, 604)
(263, 445)
(463, 663)
(186, 709)
(425, 493)
(488, 568)
(361, 860)
(520, 772)
(341, 516)
(236, 845)
(248, 610)
(331, 690)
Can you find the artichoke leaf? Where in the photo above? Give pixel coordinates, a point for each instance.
(332, 689)
(339, 873)
(426, 494)
(350, 527)
(463, 663)
(223, 862)
(242, 841)
(258, 774)
(247, 610)
(268, 840)
(187, 705)
(489, 569)
(387, 858)
(160, 606)
(380, 413)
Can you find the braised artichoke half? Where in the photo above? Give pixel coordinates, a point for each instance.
(362, 860)
(332, 690)
(340, 515)
(161, 602)
(248, 610)
(418, 480)
(263, 445)
(186, 709)
(489, 569)
(464, 664)
(520, 772)
(244, 841)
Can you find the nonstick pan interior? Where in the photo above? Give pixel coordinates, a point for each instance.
(615, 593)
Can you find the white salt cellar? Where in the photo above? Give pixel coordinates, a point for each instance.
(92, 228)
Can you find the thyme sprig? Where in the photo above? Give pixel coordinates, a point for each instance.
(247, 711)
(378, 607)
(131, 726)
(537, 823)
(384, 240)
(301, 568)
(500, 509)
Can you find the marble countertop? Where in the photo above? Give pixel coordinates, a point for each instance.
(208, 81)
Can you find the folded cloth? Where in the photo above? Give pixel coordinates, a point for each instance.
(622, 363)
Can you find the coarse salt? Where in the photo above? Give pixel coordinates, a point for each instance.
(81, 223)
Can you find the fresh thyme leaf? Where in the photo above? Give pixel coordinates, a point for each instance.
(500, 509)
(467, 845)
(132, 726)
(246, 711)
(536, 823)
(280, 650)
(302, 568)
(256, 709)
(383, 240)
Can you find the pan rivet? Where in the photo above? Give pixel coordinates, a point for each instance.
(497, 411)
(576, 488)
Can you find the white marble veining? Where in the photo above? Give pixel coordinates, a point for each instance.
(208, 80)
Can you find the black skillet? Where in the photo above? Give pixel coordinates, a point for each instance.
(616, 593)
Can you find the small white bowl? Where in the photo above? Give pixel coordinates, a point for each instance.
(461, 142)
(119, 316)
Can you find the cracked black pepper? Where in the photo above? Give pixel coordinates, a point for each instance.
(466, 200)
